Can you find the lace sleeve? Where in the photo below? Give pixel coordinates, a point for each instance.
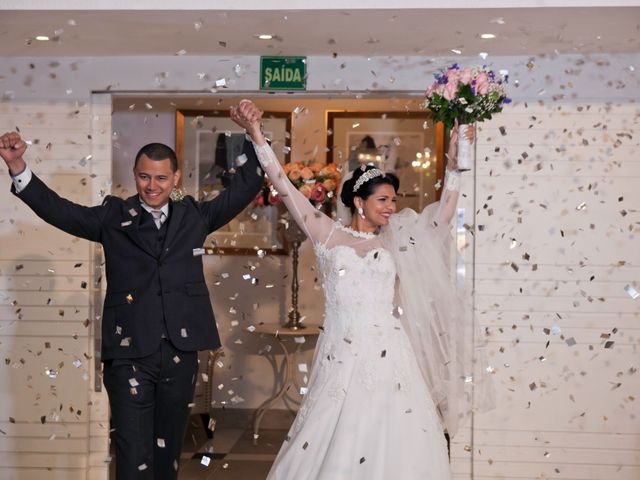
(315, 224)
(449, 200)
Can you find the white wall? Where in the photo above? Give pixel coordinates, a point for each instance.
(581, 117)
(52, 425)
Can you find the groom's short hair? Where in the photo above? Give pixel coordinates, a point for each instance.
(158, 151)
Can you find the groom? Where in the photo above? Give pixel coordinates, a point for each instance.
(157, 313)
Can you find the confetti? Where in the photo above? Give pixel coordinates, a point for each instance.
(160, 443)
(633, 293)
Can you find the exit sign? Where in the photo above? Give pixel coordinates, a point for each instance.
(283, 73)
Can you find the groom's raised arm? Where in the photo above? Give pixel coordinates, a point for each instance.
(77, 220)
(245, 185)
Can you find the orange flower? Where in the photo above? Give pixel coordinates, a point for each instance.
(329, 184)
(306, 190)
(316, 167)
(294, 175)
(307, 173)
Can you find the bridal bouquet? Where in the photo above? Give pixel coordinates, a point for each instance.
(317, 181)
(470, 95)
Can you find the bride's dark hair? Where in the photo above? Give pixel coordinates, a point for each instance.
(367, 188)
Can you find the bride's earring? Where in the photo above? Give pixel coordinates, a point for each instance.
(361, 212)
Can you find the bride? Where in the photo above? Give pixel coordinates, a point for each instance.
(378, 402)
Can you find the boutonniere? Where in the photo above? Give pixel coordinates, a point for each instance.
(177, 194)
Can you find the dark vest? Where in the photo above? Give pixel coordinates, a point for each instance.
(154, 237)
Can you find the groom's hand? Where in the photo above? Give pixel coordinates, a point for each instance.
(12, 147)
(248, 116)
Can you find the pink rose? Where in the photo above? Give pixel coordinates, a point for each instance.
(274, 198)
(450, 91)
(465, 76)
(482, 83)
(259, 200)
(453, 75)
(318, 193)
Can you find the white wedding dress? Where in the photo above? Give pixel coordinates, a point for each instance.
(368, 413)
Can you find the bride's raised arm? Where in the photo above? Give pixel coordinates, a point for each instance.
(315, 224)
(451, 188)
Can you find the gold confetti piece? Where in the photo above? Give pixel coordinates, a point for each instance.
(176, 359)
(303, 391)
(532, 386)
(398, 312)
(609, 344)
(183, 332)
(212, 425)
(142, 467)
(160, 443)
(129, 298)
(133, 382)
(361, 460)
(582, 206)
(383, 354)
(306, 444)
(205, 460)
(299, 340)
(302, 368)
(570, 341)
(342, 272)
(118, 330)
(126, 342)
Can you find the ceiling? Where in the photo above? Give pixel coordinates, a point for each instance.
(428, 32)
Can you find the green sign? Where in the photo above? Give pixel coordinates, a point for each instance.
(283, 73)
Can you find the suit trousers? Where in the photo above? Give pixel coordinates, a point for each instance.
(149, 399)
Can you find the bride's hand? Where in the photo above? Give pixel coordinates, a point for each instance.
(248, 116)
(452, 154)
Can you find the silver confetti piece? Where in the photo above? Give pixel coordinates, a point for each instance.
(633, 293)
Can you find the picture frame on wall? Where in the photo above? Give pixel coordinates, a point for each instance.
(407, 144)
(209, 147)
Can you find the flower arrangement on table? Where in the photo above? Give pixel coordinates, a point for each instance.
(470, 95)
(317, 181)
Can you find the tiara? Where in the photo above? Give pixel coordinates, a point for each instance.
(366, 176)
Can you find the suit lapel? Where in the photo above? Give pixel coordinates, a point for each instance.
(178, 210)
(131, 220)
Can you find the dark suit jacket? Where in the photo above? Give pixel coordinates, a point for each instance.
(143, 287)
